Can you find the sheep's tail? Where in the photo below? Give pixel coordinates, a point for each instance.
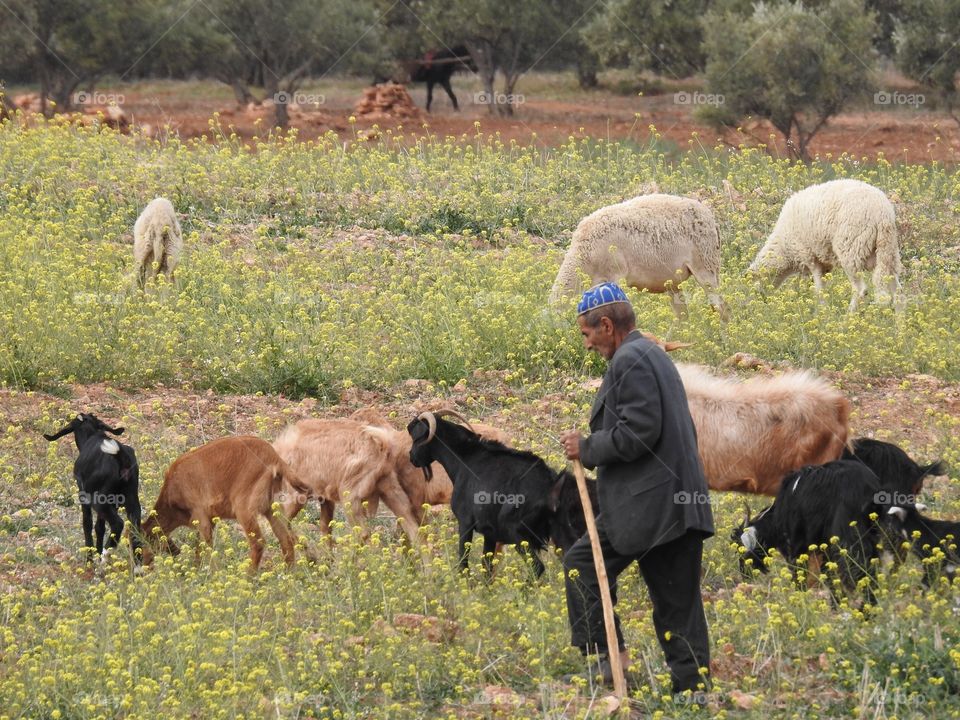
(886, 273)
(567, 281)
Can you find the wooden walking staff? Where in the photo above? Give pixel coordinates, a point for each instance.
(613, 647)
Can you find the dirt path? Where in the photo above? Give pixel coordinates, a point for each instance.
(901, 134)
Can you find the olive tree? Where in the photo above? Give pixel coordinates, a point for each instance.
(788, 62)
(927, 38)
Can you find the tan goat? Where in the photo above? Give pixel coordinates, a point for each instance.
(230, 478)
(751, 434)
(440, 488)
(364, 460)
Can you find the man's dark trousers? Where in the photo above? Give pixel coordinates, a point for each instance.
(672, 574)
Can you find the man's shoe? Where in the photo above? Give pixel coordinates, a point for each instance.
(599, 673)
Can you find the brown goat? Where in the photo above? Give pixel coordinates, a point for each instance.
(751, 434)
(340, 460)
(363, 459)
(230, 478)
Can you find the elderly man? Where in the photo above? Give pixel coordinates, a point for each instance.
(652, 491)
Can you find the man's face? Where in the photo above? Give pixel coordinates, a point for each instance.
(601, 339)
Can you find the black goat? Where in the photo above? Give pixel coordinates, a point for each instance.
(567, 524)
(506, 495)
(896, 471)
(813, 505)
(107, 476)
(437, 66)
(931, 535)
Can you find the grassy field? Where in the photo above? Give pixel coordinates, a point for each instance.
(321, 277)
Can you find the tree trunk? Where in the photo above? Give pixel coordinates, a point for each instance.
(587, 70)
(271, 86)
(510, 77)
(509, 83)
(63, 93)
(7, 108)
(242, 93)
(485, 59)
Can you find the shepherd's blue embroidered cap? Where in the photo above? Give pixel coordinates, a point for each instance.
(605, 293)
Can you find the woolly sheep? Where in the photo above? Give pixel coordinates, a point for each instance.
(157, 239)
(842, 222)
(653, 242)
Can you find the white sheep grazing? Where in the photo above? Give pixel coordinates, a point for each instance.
(842, 222)
(157, 239)
(653, 242)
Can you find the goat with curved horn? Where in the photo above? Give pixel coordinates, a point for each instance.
(447, 412)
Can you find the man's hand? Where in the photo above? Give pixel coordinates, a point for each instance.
(571, 444)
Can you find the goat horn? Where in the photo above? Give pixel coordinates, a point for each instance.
(746, 516)
(458, 416)
(431, 424)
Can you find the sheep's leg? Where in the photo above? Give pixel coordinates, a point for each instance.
(859, 291)
(817, 282)
(719, 305)
(142, 272)
(678, 303)
(282, 530)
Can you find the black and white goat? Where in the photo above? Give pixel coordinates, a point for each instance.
(927, 536)
(836, 508)
(107, 476)
(506, 495)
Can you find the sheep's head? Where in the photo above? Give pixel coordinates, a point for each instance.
(86, 425)
(769, 261)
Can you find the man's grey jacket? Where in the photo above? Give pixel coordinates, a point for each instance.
(650, 479)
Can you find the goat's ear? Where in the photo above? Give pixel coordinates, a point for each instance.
(935, 469)
(60, 433)
(116, 431)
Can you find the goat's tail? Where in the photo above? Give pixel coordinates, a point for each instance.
(886, 273)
